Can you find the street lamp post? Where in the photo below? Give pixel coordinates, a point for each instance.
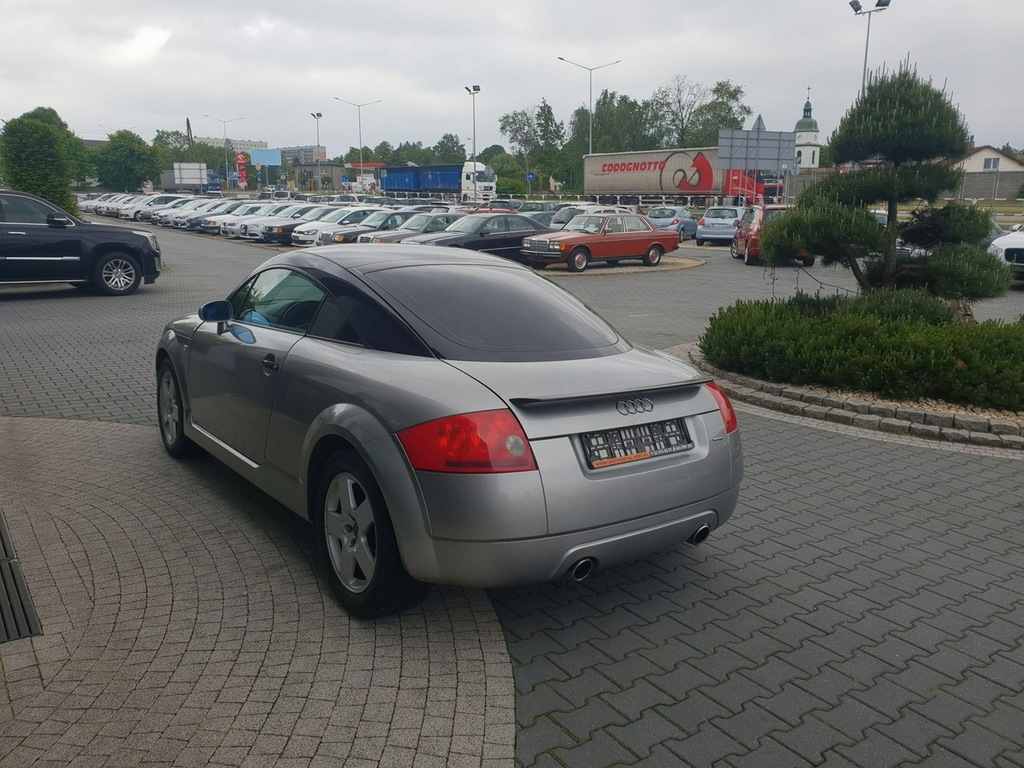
(359, 125)
(590, 147)
(224, 123)
(858, 10)
(473, 91)
(316, 116)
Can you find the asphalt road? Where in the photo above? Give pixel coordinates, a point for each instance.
(863, 607)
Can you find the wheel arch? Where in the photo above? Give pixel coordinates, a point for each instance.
(356, 431)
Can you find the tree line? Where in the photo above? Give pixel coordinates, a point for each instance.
(38, 152)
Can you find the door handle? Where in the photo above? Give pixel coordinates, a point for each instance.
(270, 364)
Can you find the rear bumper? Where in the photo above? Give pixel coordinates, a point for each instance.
(536, 560)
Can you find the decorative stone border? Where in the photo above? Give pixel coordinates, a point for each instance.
(951, 426)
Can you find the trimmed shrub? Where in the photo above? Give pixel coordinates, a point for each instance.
(898, 344)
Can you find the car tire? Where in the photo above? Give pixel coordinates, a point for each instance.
(170, 413)
(698, 241)
(808, 262)
(578, 260)
(749, 260)
(733, 250)
(356, 540)
(117, 274)
(653, 256)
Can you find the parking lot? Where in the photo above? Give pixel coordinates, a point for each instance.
(863, 607)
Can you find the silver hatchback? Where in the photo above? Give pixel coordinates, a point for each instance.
(445, 416)
(718, 224)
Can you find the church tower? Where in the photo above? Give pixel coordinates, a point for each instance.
(808, 149)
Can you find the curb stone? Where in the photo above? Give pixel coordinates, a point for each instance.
(893, 418)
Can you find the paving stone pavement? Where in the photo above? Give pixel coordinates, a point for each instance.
(184, 625)
(862, 608)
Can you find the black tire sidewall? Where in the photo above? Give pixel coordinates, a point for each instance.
(571, 262)
(102, 261)
(390, 589)
(182, 446)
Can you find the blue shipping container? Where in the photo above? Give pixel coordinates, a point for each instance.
(425, 179)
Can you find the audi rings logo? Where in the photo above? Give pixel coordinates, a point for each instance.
(627, 407)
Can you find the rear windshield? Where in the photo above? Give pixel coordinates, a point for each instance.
(495, 314)
(722, 213)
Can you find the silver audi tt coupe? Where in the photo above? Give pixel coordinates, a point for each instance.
(444, 416)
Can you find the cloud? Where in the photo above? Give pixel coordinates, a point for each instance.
(144, 46)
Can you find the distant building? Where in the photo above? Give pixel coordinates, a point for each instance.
(238, 145)
(990, 173)
(808, 148)
(304, 155)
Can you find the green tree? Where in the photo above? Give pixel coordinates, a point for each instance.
(449, 149)
(901, 138)
(33, 158)
(678, 101)
(510, 175)
(489, 153)
(723, 109)
(77, 154)
(125, 161)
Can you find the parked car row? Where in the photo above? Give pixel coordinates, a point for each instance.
(597, 232)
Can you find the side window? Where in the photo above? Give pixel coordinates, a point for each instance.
(748, 217)
(22, 210)
(355, 318)
(278, 298)
(636, 224)
(497, 224)
(614, 226)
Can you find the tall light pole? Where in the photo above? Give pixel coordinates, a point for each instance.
(858, 9)
(590, 149)
(473, 91)
(359, 125)
(316, 116)
(224, 123)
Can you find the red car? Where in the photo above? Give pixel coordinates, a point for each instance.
(746, 243)
(600, 237)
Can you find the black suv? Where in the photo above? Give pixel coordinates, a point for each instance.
(41, 243)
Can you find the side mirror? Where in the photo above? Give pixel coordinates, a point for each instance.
(1017, 227)
(215, 312)
(56, 220)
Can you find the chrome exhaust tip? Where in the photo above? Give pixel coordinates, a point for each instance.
(700, 535)
(582, 569)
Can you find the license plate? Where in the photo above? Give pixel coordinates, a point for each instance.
(621, 446)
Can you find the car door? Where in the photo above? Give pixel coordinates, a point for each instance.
(614, 240)
(639, 235)
(38, 242)
(509, 239)
(743, 230)
(235, 367)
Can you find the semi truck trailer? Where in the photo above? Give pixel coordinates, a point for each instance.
(465, 182)
(690, 174)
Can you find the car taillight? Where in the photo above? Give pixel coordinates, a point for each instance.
(700, 221)
(675, 222)
(724, 407)
(483, 442)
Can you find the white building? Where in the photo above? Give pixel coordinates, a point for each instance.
(808, 148)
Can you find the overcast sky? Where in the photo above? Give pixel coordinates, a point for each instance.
(147, 65)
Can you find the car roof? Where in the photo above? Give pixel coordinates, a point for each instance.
(366, 257)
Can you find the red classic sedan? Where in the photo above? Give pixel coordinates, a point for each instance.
(600, 237)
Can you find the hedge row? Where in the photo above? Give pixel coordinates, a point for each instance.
(898, 344)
